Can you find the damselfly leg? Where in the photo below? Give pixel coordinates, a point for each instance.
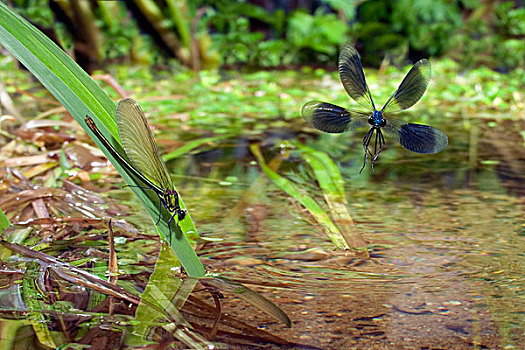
(379, 143)
(380, 139)
(366, 142)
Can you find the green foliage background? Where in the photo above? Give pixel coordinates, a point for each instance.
(239, 32)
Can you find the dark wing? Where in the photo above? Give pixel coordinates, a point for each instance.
(411, 89)
(417, 138)
(139, 144)
(331, 118)
(353, 77)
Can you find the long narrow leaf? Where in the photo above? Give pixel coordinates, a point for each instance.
(81, 96)
(187, 147)
(331, 182)
(289, 187)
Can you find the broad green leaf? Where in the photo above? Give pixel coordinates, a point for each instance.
(81, 96)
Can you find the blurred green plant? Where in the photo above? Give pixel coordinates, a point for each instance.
(234, 39)
(299, 37)
(492, 37)
(322, 33)
(221, 14)
(392, 27)
(40, 14)
(203, 33)
(115, 23)
(427, 24)
(239, 45)
(38, 10)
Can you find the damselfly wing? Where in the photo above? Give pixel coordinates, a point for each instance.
(145, 161)
(330, 118)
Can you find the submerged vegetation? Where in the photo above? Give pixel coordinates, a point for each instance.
(427, 242)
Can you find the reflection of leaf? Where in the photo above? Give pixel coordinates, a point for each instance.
(35, 306)
(331, 183)
(161, 301)
(249, 296)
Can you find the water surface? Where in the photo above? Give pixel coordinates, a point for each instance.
(446, 238)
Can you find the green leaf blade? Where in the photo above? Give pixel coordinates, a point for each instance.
(308, 202)
(81, 96)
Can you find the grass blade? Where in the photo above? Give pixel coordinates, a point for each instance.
(81, 96)
(289, 187)
(331, 182)
(189, 146)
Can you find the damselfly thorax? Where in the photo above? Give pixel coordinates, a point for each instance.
(171, 203)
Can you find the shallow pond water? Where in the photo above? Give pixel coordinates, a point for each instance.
(446, 236)
(445, 233)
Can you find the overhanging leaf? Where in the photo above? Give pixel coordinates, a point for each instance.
(81, 96)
